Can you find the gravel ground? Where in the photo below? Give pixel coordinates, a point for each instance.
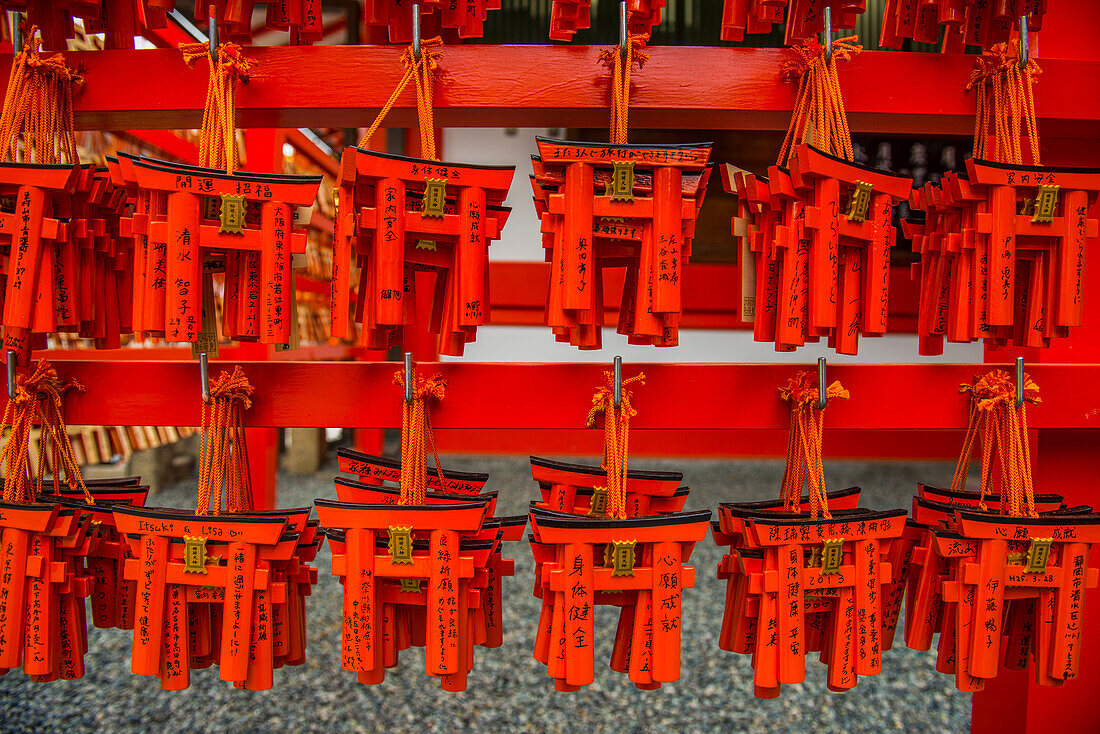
(508, 689)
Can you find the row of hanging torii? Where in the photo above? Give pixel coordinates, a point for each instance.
(1002, 580)
(964, 22)
(999, 575)
(132, 248)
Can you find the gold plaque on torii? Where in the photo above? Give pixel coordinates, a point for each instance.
(1038, 553)
(410, 586)
(194, 554)
(832, 553)
(1046, 201)
(598, 506)
(619, 557)
(622, 181)
(435, 197)
(860, 202)
(232, 214)
(400, 544)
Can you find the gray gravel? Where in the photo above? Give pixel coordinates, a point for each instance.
(509, 690)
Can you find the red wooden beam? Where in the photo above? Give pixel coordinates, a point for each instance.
(711, 301)
(168, 142)
(558, 396)
(561, 86)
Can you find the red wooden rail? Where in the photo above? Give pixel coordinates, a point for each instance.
(558, 396)
(682, 87)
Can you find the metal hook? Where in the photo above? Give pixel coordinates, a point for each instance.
(416, 41)
(16, 32)
(822, 389)
(204, 376)
(618, 399)
(1019, 381)
(827, 33)
(1023, 42)
(623, 40)
(408, 377)
(11, 356)
(213, 34)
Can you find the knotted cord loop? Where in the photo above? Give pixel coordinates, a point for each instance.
(819, 117)
(1005, 441)
(38, 106)
(804, 442)
(1005, 103)
(620, 83)
(218, 136)
(616, 437)
(38, 395)
(417, 437)
(224, 454)
(423, 71)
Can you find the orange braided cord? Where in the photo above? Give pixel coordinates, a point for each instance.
(818, 117)
(223, 458)
(38, 395)
(962, 467)
(804, 443)
(620, 83)
(417, 437)
(1004, 105)
(1005, 441)
(423, 72)
(218, 136)
(616, 437)
(38, 106)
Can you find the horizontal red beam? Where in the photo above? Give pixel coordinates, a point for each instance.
(681, 87)
(839, 444)
(711, 294)
(558, 396)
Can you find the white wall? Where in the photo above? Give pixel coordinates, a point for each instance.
(521, 242)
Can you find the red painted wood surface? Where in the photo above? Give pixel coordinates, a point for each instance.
(561, 86)
(558, 396)
(711, 296)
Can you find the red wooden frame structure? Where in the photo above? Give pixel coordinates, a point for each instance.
(727, 88)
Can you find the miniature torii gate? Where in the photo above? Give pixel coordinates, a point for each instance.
(241, 212)
(645, 558)
(399, 214)
(30, 189)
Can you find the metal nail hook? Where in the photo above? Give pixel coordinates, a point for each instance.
(827, 37)
(204, 376)
(416, 37)
(1019, 381)
(623, 41)
(16, 33)
(1023, 42)
(618, 381)
(11, 357)
(408, 377)
(213, 34)
(822, 389)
